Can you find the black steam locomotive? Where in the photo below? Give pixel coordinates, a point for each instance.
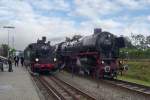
(39, 56)
(93, 55)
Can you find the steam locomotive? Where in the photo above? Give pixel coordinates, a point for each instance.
(39, 56)
(95, 55)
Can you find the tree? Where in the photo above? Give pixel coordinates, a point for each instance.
(139, 41)
(148, 41)
(12, 51)
(74, 38)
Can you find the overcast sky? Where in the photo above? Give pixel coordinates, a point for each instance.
(57, 19)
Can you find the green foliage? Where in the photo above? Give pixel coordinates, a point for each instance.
(135, 53)
(12, 51)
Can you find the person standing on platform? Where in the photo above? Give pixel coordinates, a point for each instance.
(1, 65)
(22, 61)
(16, 59)
(10, 65)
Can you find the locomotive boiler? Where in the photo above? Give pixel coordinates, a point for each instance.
(39, 56)
(93, 55)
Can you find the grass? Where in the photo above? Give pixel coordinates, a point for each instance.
(138, 72)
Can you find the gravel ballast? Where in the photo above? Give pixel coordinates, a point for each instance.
(100, 90)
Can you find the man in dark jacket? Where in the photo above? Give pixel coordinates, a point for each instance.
(22, 61)
(16, 59)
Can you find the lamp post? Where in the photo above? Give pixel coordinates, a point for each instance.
(8, 27)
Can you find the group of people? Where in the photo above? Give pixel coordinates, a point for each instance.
(16, 60)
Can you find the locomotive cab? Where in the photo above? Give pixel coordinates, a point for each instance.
(120, 42)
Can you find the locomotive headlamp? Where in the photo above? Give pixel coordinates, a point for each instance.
(102, 62)
(55, 59)
(36, 59)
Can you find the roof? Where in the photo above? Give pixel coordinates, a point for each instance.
(4, 58)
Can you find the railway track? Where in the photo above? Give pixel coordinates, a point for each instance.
(62, 90)
(130, 86)
(58, 89)
(136, 88)
(141, 89)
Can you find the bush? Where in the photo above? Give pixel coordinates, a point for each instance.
(135, 53)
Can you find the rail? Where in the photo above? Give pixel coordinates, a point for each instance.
(130, 86)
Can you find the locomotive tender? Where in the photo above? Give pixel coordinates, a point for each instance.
(39, 56)
(94, 55)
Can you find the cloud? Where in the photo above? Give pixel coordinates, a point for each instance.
(134, 4)
(148, 18)
(92, 9)
(50, 5)
(33, 19)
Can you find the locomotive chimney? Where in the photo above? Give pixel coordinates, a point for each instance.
(38, 40)
(97, 30)
(43, 39)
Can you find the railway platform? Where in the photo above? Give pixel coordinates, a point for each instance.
(17, 85)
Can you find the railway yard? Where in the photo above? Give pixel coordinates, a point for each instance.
(74, 49)
(63, 86)
(89, 68)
